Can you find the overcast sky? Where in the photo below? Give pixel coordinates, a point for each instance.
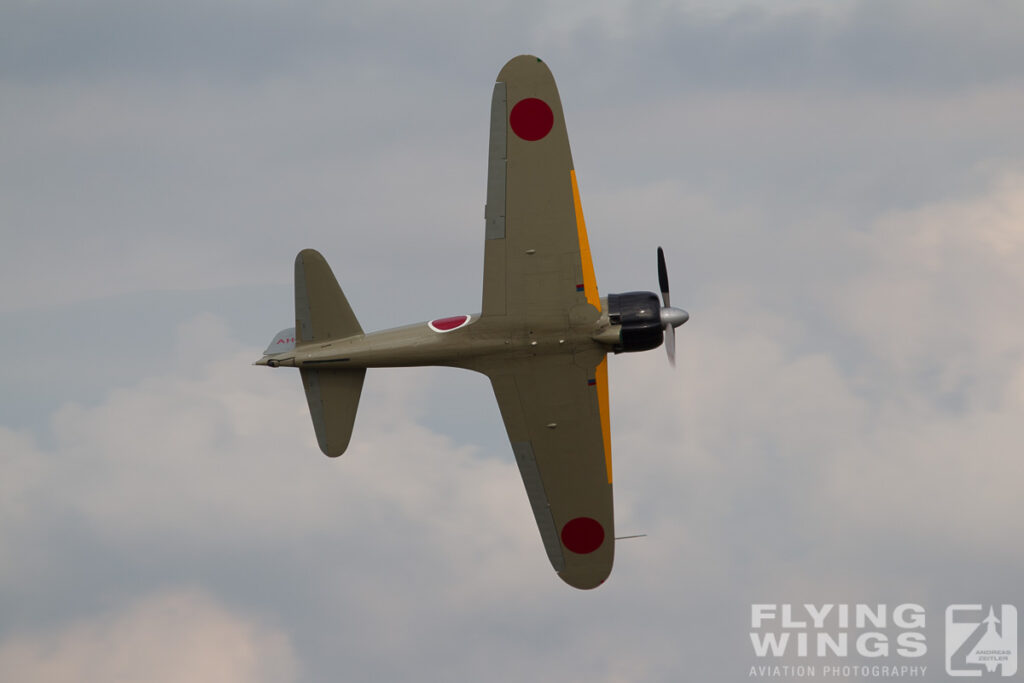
(839, 189)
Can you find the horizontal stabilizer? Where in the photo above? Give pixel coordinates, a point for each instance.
(321, 310)
(333, 397)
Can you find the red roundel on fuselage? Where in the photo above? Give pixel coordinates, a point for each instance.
(448, 324)
(583, 535)
(531, 119)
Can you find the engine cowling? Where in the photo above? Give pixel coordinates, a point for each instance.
(638, 315)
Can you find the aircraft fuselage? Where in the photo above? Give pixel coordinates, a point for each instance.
(423, 344)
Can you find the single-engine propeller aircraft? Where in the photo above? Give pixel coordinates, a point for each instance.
(542, 335)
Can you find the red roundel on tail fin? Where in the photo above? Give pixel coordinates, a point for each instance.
(531, 119)
(583, 535)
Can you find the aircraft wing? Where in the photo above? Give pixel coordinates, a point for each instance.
(536, 254)
(556, 415)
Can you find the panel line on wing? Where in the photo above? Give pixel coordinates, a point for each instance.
(494, 211)
(539, 502)
(601, 376)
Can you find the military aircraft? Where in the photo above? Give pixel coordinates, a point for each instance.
(542, 335)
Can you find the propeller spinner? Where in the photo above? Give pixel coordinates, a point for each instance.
(671, 318)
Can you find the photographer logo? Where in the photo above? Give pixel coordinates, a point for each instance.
(981, 642)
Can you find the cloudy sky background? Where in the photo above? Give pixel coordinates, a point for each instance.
(839, 189)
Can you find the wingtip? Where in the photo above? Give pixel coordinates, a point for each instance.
(585, 579)
(308, 254)
(520, 63)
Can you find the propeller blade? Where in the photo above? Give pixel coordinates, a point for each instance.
(670, 344)
(663, 277)
(671, 318)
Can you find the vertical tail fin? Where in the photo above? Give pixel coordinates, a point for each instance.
(321, 310)
(323, 313)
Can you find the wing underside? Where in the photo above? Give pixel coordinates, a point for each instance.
(555, 412)
(536, 256)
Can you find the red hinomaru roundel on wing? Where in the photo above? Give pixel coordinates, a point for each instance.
(583, 535)
(448, 324)
(531, 119)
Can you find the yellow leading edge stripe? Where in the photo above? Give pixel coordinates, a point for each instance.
(589, 281)
(590, 291)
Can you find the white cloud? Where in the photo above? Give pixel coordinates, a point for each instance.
(748, 467)
(195, 471)
(938, 310)
(227, 449)
(805, 442)
(942, 289)
(173, 636)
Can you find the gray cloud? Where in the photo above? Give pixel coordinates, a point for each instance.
(679, 45)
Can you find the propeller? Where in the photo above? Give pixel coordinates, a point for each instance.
(671, 318)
